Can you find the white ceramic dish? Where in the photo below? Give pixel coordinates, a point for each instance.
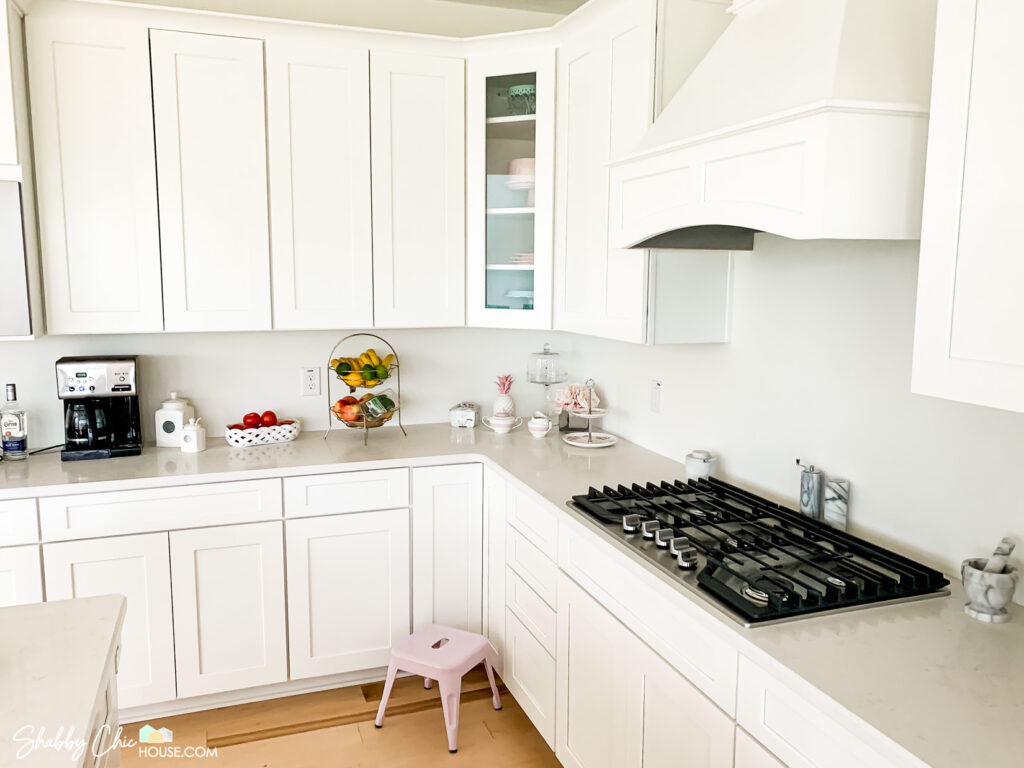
(596, 413)
(580, 439)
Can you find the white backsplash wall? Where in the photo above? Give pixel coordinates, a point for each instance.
(819, 368)
(226, 375)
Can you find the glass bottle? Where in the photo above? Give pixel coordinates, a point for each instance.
(13, 427)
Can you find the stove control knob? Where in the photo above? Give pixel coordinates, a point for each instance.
(631, 523)
(677, 544)
(662, 537)
(648, 527)
(687, 559)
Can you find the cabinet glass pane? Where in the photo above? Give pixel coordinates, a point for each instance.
(510, 163)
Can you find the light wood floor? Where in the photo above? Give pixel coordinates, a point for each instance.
(335, 728)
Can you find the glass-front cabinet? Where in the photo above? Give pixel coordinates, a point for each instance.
(510, 189)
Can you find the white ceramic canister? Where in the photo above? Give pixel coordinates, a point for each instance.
(193, 437)
(539, 425)
(171, 418)
(699, 464)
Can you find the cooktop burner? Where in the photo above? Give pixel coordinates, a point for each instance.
(764, 562)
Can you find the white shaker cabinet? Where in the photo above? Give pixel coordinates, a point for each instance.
(750, 754)
(495, 491)
(229, 613)
(8, 133)
(604, 106)
(969, 341)
(318, 120)
(418, 176)
(447, 546)
(211, 152)
(138, 568)
(348, 590)
(21, 581)
(92, 127)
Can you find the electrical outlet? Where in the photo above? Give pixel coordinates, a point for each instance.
(310, 382)
(655, 396)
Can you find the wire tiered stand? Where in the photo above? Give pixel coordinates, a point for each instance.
(587, 438)
(367, 412)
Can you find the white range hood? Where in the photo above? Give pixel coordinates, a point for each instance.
(807, 119)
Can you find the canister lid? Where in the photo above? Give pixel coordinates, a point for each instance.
(175, 403)
(702, 456)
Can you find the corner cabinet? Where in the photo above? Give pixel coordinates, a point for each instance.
(211, 153)
(510, 102)
(969, 340)
(417, 133)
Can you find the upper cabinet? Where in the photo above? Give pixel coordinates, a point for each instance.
(92, 125)
(418, 175)
(211, 152)
(509, 189)
(969, 343)
(318, 119)
(8, 134)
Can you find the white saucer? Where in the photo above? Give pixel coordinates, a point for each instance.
(596, 413)
(580, 439)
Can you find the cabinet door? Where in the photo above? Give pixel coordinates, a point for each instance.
(21, 581)
(530, 676)
(750, 754)
(8, 135)
(418, 157)
(447, 546)
(229, 617)
(510, 185)
(669, 722)
(605, 105)
(92, 127)
(348, 590)
(591, 691)
(211, 152)
(969, 342)
(136, 567)
(318, 118)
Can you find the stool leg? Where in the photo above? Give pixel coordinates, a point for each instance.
(451, 691)
(496, 699)
(392, 670)
(426, 683)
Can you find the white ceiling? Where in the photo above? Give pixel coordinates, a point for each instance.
(455, 18)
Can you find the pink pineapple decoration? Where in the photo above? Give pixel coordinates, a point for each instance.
(504, 405)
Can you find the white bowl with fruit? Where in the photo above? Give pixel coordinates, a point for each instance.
(261, 429)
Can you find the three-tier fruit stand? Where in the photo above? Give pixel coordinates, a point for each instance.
(375, 412)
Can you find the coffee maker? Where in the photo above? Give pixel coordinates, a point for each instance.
(101, 407)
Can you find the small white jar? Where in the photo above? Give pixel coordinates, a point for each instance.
(171, 418)
(700, 464)
(193, 437)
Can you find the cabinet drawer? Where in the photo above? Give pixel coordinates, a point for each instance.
(18, 523)
(158, 509)
(346, 492)
(532, 566)
(531, 609)
(668, 622)
(530, 676)
(535, 521)
(795, 729)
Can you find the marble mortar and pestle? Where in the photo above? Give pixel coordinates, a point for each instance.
(990, 584)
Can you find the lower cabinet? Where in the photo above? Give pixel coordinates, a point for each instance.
(348, 590)
(529, 675)
(20, 579)
(136, 567)
(620, 704)
(447, 546)
(229, 614)
(495, 490)
(750, 754)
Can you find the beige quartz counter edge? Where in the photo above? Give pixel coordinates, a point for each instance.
(944, 687)
(52, 660)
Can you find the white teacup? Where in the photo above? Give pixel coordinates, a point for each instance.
(539, 426)
(502, 424)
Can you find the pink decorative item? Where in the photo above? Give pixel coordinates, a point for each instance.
(574, 397)
(504, 405)
(444, 654)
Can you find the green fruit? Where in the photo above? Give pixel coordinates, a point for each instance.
(386, 403)
(343, 368)
(369, 372)
(380, 372)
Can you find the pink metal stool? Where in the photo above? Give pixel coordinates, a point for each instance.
(443, 654)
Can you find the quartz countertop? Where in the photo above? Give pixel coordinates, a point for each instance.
(946, 688)
(52, 662)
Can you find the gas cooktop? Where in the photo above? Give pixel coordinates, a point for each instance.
(760, 561)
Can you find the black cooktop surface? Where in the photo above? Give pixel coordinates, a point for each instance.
(763, 561)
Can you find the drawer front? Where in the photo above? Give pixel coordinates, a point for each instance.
(18, 524)
(158, 509)
(532, 566)
(346, 492)
(530, 676)
(531, 609)
(661, 617)
(794, 729)
(750, 754)
(534, 520)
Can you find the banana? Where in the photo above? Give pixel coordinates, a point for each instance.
(334, 362)
(371, 382)
(388, 361)
(364, 359)
(374, 360)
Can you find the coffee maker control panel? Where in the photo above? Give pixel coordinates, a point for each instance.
(92, 377)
